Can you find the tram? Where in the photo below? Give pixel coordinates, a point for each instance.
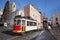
(23, 25)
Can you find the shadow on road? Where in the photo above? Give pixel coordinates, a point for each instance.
(11, 33)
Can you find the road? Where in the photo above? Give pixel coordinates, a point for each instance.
(46, 35)
(32, 35)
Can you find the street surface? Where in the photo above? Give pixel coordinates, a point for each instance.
(45, 36)
(56, 32)
(32, 35)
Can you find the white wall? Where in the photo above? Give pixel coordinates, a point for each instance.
(1, 12)
(20, 12)
(34, 13)
(28, 28)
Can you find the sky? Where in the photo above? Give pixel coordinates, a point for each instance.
(47, 7)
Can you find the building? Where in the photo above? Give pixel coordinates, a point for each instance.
(55, 20)
(32, 12)
(9, 7)
(1, 12)
(5, 12)
(13, 14)
(12, 7)
(10, 12)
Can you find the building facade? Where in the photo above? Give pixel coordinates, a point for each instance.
(10, 12)
(5, 12)
(32, 12)
(12, 7)
(55, 20)
(1, 12)
(13, 14)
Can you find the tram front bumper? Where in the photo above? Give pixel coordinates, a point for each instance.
(17, 31)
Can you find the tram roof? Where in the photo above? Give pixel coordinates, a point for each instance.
(25, 18)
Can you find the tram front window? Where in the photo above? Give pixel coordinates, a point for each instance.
(23, 22)
(18, 25)
(18, 22)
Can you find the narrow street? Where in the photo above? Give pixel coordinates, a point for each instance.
(9, 35)
(45, 36)
(32, 35)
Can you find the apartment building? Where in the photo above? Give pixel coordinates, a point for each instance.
(55, 20)
(32, 12)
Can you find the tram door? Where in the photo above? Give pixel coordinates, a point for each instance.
(23, 26)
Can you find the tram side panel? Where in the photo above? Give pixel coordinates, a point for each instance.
(29, 28)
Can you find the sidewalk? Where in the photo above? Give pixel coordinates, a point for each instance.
(56, 32)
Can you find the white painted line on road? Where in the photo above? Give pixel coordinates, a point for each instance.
(12, 38)
(41, 32)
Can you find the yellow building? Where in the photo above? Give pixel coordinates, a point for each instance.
(32, 12)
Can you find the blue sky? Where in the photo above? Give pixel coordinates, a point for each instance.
(47, 7)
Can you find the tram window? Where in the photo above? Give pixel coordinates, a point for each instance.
(28, 23)
(18, 22)
(31, 23)
(35, 24)
(23, 22)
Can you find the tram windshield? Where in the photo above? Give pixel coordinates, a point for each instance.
(17, 22)
(31, 23)
(23, 22)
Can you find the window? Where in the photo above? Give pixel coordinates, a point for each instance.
(28, 23)
(31, 23)
(21, 13)
(38, 23)
(13, 6)
(56, 19)
(57, 23)
(18, 22)
(23, 22)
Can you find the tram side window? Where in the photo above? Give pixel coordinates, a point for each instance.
(31, 23)
(28, 23)
(18, 22)
(23, 22)
(34, 24)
